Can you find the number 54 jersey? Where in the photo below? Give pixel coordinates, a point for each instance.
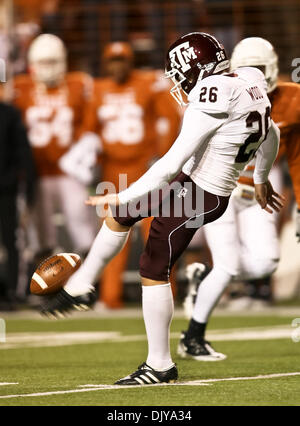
(53, 117)
(240, 102)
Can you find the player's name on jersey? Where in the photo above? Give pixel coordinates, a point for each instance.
(254, 93)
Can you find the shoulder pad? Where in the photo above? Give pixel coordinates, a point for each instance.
(252, 75)
(213, 94)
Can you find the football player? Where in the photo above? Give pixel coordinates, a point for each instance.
(125, 109)
(226, 122)
(251, 234)
(53, 102)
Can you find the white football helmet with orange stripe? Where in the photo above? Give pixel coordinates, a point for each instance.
(47, 58)
(257, 52)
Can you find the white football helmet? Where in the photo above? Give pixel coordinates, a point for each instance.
(47, 58)
(256, 51)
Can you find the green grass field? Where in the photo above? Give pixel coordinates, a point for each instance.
(67, 363)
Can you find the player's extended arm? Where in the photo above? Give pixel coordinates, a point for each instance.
(196, 130)
(266, 155)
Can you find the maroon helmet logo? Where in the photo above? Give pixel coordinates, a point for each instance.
(181, 56)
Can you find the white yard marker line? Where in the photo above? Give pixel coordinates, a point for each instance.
(232, 379)
(52, 339)
(206, 382)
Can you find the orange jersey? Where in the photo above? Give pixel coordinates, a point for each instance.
(53, 117)
(285, 100)
(286, 113)
(125, 116)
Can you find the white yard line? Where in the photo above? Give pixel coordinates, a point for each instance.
(232, 379)
(54, 339)
(93, 388)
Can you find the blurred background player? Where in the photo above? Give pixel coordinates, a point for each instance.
(53, 103)
(137, 120)
(251, 234)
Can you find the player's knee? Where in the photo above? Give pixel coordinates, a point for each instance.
(115, 226)
(231, 267)
(265, 267)
(153, 270)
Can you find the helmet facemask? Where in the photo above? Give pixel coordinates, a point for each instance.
(51, 72)
(185, 83)
(177, 78)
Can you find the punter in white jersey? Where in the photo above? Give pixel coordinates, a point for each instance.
(250, 233)
(226, 122)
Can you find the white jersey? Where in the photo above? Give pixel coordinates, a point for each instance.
(241, 97)
(226, 122)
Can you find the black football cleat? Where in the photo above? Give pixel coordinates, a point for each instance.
(146, 375)
(198, 349)
(60, 304)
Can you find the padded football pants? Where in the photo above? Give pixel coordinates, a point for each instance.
(179, 213)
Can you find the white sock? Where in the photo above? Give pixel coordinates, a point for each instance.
(106, 245)
(209, 293)
(158, 308)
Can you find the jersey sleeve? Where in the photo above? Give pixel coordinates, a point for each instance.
(213, 95)
(196, 130)
(266, 155)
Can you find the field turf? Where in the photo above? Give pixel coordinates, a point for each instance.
(66, 362)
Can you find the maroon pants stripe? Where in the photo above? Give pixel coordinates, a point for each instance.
(189, 208)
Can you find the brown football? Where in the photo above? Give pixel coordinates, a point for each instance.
(52, 274)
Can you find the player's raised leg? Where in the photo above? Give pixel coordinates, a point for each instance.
(77, 292)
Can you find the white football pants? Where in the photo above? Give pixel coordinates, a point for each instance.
(244, 241)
